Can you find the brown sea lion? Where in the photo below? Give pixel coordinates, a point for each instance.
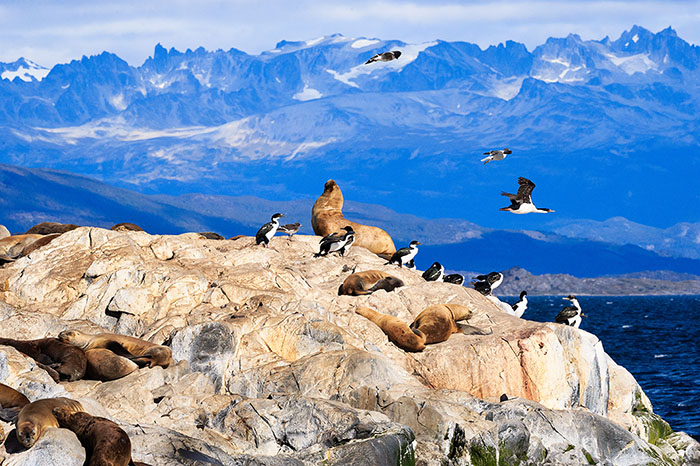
(367, 282)
(104, 365)
(11, 398)
(327, 217)
(106, 444)
(24, 249)
(397, 330)
(141, 352)
(16, 240)
(126, 227)
(47, 228)
(439, 321)
(211, 235)
(36, 417)
(61, 360)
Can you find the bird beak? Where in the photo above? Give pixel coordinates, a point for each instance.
(419, 243)
(583, 315)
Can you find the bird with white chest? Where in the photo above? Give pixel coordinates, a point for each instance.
(496, 155)
(404, 255)
(520, 306)
(570, 315)
(267, 231)
(521, 203)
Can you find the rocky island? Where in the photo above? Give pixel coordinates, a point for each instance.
(273, 367)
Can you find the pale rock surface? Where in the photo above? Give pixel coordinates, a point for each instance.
(4, 232)
(276, 368)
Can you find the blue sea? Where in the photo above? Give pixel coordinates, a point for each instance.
(657, 338)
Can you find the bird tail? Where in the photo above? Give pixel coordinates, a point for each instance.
(486, 159)
(369, 61)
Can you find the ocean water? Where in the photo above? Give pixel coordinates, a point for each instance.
(657, 338)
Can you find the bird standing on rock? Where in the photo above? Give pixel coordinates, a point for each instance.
(290, 229)
(455, 278)
(267, 231)
(434, 273)
(404, 255)
(570, 315)
(496, 155)
(493, 279)
(520, 306)
(336, 242)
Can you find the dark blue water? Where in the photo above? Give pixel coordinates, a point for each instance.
(656, 338)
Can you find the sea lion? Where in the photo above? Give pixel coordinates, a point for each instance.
(439, 321)
(397, 330)
(25, 248)
(367, 282)
(11, 398)
(104, 365)
(327, 217)
(106, 444)
(126, 227)
(61, 360)
(210, 235)
(47, 228)
(11, 241)
(141, 352)
(36, 417)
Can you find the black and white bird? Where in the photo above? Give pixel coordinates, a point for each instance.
(520, 306)
(267, 231)
(570, 315)
(289, 228)
(386, 56)
(482, 287)
(496, 155)
(521, 203)
(435, 273)
(455, 278)
(410, 265)
(336, 242)
(404, 255)
(494, 279)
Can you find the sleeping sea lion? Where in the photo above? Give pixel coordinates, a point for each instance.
(397, 330)
(36, 417)
(11, 398)
(141, 352)
(327, 217)
(126, 227)
(439, 321)
(106, 444)
(61, 360)
(211, 235)
(25, 248)
(47, 228)
(104, 365)
(16, 240)
(367, 282)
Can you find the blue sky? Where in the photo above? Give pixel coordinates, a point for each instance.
(50, 32)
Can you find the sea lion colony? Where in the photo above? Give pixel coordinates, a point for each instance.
(74, 355)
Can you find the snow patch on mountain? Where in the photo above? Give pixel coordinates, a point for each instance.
(362, 43)
(307, 94)
(639, 63)
(26, 70)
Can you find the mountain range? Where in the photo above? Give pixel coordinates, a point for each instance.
(607, 129)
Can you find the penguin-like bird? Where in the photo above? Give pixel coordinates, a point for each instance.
(289, 228)
(404, 255)
(336, 242)
(455, 278)
(521, 203)
(570, 315)
(435, 273)
(386, 56)
(520, 306)
(494, 279)
(482, 287)
(267, 231)
(496, 155)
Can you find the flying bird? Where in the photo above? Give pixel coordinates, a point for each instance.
(496, 155)
(570, 315)
(521, 203)
(434, 273)
(386, 56)
(267, 231)
(335, 242)
(404, 255)
(520, 306)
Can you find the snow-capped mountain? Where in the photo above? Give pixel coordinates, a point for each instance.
(23, 69)
(593, 123)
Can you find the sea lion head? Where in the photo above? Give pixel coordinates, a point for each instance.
(74, 337)
(27, 433)
(391, 283)
(330, 186)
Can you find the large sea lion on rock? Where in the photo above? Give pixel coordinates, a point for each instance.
(327, 217)
(104, 365)
(47, 228)
(36, 417)
(106, 444)
(61, 360)
(141, 352)
(439, 321)
(396, 329)
(367, 282)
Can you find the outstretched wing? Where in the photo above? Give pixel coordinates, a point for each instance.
(525, 191)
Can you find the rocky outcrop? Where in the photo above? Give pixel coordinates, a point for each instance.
(276, 368)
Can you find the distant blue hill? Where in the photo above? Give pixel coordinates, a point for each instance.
(605, 128)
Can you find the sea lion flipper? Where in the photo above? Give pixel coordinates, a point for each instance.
(10, 414)
(471, 330)
(51, 371)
